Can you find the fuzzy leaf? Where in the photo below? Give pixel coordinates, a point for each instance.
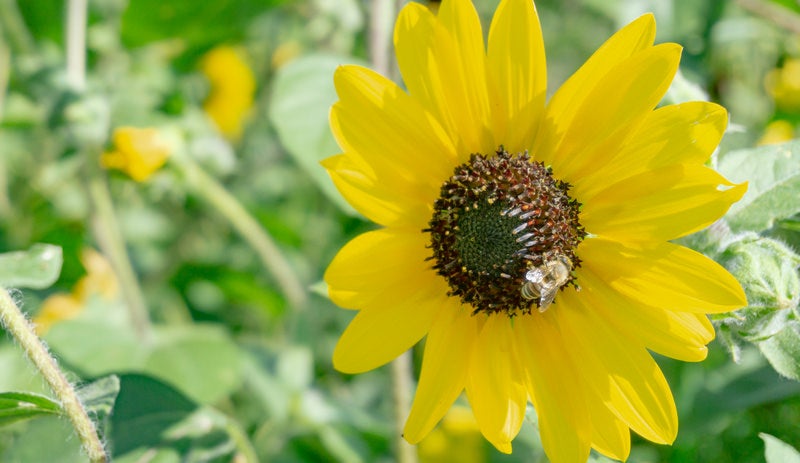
(37, 268)
(773, 173)
(778, 451)
(783, 350)
(16, 406)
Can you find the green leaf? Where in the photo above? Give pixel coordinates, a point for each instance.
(778, 451)
(98, 397)
(201, 360)
(783, 350)
(16, 406)
(199, 25)
(48, 439)
(145, 408)
(773, 173)
(36, 268)
(302, 95)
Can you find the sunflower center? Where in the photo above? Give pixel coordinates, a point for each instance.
(504, 233)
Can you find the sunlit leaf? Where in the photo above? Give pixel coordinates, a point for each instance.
(98, 397)
(16, 406)
(200, 360)
(783, 350)
(302, 95)
(773, 173)
(778, 451)
(37, 268)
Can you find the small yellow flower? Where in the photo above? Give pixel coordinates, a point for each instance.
(99, 280)
(233, 87)
(779, 131)
(139, 152)
(56, 308)
(529, 240)
(784, 85)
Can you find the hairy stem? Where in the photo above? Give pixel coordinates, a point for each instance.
(18, 326)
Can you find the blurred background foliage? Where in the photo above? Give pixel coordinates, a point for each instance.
(233, 95)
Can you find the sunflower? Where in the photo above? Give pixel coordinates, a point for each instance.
(528, 241)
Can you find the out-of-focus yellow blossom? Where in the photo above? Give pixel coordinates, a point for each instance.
(285, 52)
(784, 85)
(139, 152)
(99, 280)
(233, 87)
(456, 440)
(777, 132)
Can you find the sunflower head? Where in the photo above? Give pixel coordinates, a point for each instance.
(528, 241)
(504, 233)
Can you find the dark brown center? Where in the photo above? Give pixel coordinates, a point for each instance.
(504, 233)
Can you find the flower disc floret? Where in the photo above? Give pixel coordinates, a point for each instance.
(497, 218)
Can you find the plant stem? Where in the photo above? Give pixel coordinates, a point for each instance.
(248, 227)
(109, 237)
(774, 12)
(402, 382)
(22, 331)
(76, 43)
(13, 25)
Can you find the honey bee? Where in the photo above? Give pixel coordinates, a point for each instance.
(545, 280)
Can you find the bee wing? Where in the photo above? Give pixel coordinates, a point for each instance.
(548, 296)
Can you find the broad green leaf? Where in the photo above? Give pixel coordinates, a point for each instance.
(200, 360)
(145, 408)
(199, 25)
(778, 451)
(50, 439)
(773, 173)
(302, 95)
(37, 268)
(783, 350)
(16, 406)
(97, 346)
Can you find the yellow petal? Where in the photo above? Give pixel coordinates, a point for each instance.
(661, 204)
(415, 33)
(663, 275)
(495, 387)
(516, 64)
(444, 369)
(377, 201)
(378, 122)
(635, 37)
(610, 436)
(442, 61)
(680, 335)
(685, 133)
(382, 266)
(375, 337)
(624, 375)
(555, 388)
(617, 104)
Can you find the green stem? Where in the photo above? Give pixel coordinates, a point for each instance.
(14, 26)
(109, 237)
(248, 227)
(22, 331)
(246, 453)
(76, 43)
(402, 382)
